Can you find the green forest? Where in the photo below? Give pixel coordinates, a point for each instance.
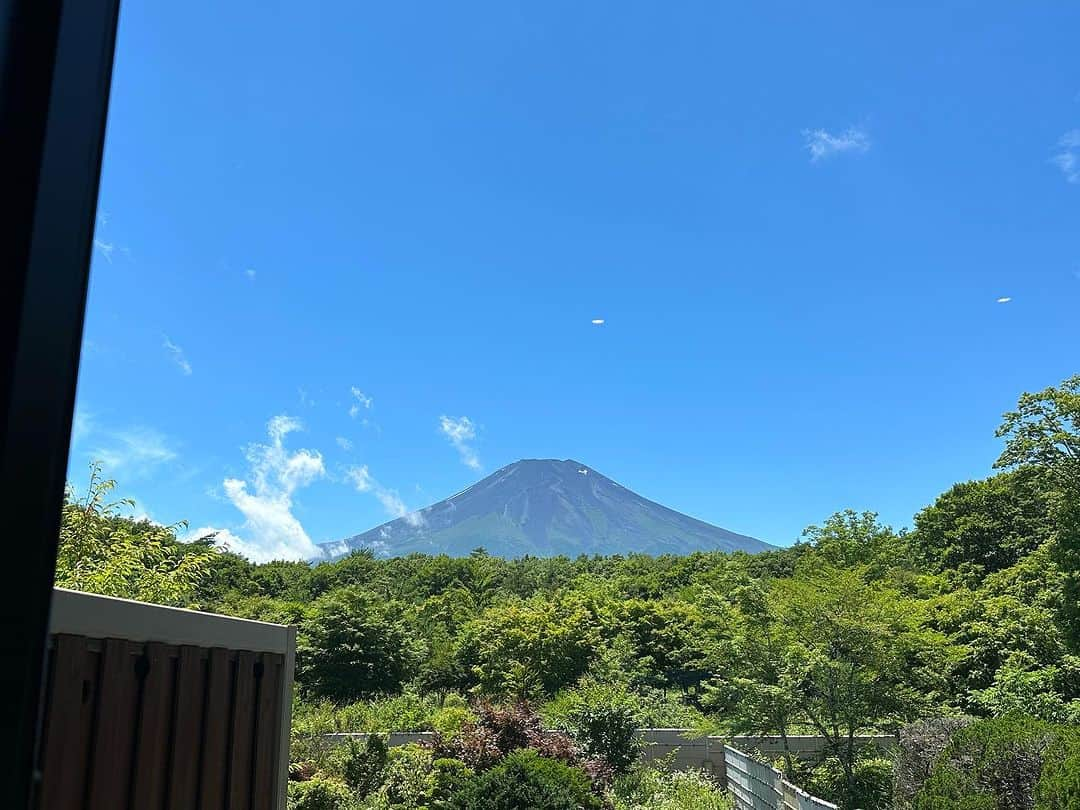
(967, 621)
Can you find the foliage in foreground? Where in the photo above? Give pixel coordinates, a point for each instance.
(102, 551)
(647, 788)
(524, 780)
(1016, 762)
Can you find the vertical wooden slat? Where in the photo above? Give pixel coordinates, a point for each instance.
(154, 734)
(267, 733)
(114, 736)
(188, 710)
(70, 723)
(243, 732)
(215, 755)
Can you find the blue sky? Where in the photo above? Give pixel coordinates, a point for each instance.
(348, 256)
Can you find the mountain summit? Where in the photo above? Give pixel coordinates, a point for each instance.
(546, 507)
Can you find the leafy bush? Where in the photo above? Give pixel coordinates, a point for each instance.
(1059, 786)
(312, 719)
(451, 777)
(920, 744)
(452, 716)
(475, 745)
(363, 766)
(409, 781)
(102, 551)
(871, 785)
(647, 788)
(1021, 686)
(320, 793)
(991, 763)
(603, 718)
(527, 781)
(499, 730)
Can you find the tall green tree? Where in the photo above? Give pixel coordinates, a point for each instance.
(103, 551)
(1044, 433)
(858, 658)
(979, 527)
(851, 538)
(352, 645)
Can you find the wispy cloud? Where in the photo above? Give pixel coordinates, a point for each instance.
(104, 248)
(250, 273)
(343, 443)
(362, 400)
(133, 452)
(822, 144)
(1068, 159)
(364, 481)
(82, 425)
(305, 397)
(275, 473)
(177, 355)
(460, 432)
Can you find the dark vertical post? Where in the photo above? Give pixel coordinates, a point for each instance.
(55, 70)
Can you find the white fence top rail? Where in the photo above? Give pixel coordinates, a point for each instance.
(94, 616)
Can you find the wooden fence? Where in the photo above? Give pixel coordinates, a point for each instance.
(147, 707)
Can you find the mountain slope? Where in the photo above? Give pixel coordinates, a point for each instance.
(546, 507)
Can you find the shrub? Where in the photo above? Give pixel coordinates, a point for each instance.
(870, 788)
(1059, 785)
(514, 725)
(499, 730)
(363, 766)
(475, 745)
(920, 745)
(451, 777)
(450, 720)
(603, 718)
(320, 793)
(409, 782)
(527, 781)
(991, 763)
(647, 788)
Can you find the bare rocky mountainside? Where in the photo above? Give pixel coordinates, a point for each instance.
(544, 508)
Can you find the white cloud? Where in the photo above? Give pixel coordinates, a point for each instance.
(225, 539)
(344, 443)
(337, 549)
(362, 401)
(1004, 299)
(82, 425)
(361, 478)
(598, 321)
(364, 481)
(1068, 159)
(822, 144)
(177, 355)
(133, 452)
(276, 474)
(105, 249)
(460, 432)
(250, 273)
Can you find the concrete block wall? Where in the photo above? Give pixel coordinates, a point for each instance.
(684, 749)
